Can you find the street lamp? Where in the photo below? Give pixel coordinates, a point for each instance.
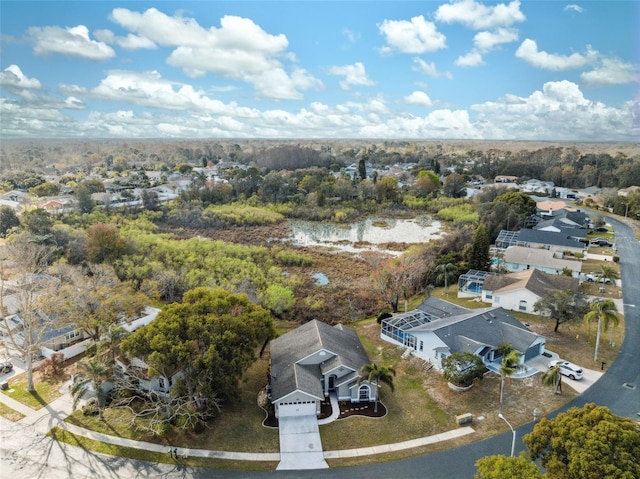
(513, 440)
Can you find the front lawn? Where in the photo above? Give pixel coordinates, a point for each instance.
(46, 390)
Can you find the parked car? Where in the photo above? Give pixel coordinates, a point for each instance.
(568, 369)
(601, 229)
(601, 242)
(596, 278)
(6, 367)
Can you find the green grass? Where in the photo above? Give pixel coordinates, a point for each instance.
(10, 414)
(46, 391)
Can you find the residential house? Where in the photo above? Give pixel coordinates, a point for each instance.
(565, 226)
(312, 361)
(519, 258)
(538, 186)
(628, 191)
(550, 240)
(505, 179)
(566, 193)
(52, 336)
(522, 290)
(438, 329)
(138, 371)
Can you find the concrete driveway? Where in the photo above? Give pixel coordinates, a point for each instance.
(300, 444)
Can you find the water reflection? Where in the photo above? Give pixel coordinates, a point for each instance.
(373, 230)
(321, 279)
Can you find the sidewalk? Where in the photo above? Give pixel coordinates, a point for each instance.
(53, 415)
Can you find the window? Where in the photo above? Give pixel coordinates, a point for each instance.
(161, 383)
(421, 345)
(363, 393)
(489, 295)
(522, 306)
(70, 336)
(496, 299)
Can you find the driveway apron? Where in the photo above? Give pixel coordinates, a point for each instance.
(300, 444)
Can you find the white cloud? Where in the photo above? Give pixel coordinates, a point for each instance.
(559, 111)
(73, 41)
(573, 8)
(486, 41)
(437, 124)
(13, 78)
(354, 75)
(151, 90)
(478, 16)
(471, 59)
(239, 49)
(130, 42)
(529, 52)
(351, 36)
(419, 98)
(430, 69)
(611, 71)
(415, 36)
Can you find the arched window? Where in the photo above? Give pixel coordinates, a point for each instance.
(363, 393)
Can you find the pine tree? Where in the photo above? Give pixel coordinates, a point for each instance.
(480, 258)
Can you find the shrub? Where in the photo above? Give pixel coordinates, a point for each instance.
(383, 315)
(464, 213)
(462, 369)
(52, 367)
(616, 258)
(291, 258)
(90, 408)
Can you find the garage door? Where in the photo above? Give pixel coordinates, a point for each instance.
(297, 409)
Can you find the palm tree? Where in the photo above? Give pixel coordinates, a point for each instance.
(553, 377)
(110, 342)
(609, 272)
(94, 373)
(445, 273)
(509, 365)
(604, 311)
(375, 374)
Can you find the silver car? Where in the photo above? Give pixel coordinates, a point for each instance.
(568, 369)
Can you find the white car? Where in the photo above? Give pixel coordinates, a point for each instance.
(568, 369)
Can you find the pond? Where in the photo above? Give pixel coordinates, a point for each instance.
(374, 231)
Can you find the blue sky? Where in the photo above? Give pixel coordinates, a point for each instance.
(524, 70)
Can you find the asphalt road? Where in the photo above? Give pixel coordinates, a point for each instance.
(619, 388)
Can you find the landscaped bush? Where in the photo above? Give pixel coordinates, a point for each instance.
(462, 369)
(383, 315)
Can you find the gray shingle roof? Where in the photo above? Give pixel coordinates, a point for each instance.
(549, 238)
(341, 345)
(440, 308)
(488, 327)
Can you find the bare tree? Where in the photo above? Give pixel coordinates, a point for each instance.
(395, 278)
(25, 323)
